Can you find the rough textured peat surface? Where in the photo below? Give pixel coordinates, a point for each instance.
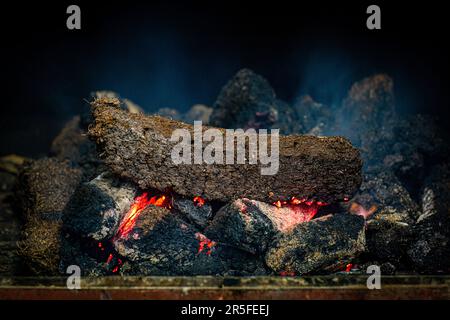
(138, 147)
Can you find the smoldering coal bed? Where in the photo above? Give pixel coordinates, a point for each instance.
(358, 185)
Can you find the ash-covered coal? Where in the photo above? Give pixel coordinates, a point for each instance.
(320, 245)
(72, 144)
(251, 225)
(248, 101)
(315, 118)
(97, 207)
(196, 210)
(430, 250)
(162, 243)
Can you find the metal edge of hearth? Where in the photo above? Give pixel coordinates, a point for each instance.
(334, 287)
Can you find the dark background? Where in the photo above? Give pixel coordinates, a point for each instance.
(178, 54)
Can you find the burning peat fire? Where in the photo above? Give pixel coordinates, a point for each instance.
(383, 191)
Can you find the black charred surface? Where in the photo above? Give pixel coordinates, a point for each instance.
(196, 213)
(97, 207)
(163, 243)
(388, 237)
(404, 195)
(73, 144)
(248, 101)
(430, 251)
(242, 225)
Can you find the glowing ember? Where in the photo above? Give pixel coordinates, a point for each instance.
(287, 273)
(140, 203)
(295, 201)
(359, 210)
(110, 257)
(204, 243)
(295, 211)
(199, 201)
(348, 267)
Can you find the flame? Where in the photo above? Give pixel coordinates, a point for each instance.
(140, 203)
(204, 242)
(359, 210)
(199, 201)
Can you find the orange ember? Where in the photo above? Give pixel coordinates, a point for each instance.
(139, 204)
(204, 243)
(199, 201)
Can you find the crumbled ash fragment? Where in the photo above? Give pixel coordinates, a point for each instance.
(320, 245)
(163, 243)
(251, 225)
(97, 207)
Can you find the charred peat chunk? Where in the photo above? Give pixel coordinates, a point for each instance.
(316, 118)
(73, 144)
(382, 190)
(388, 236)
(430, 250)
(367, 116)
(45, 187)
(196, 210)
(97, 207)
(161, 242)
(251, 225)
(248, 101)
(320, 245)
(74, 251)
(139, 148)
(390, 213)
